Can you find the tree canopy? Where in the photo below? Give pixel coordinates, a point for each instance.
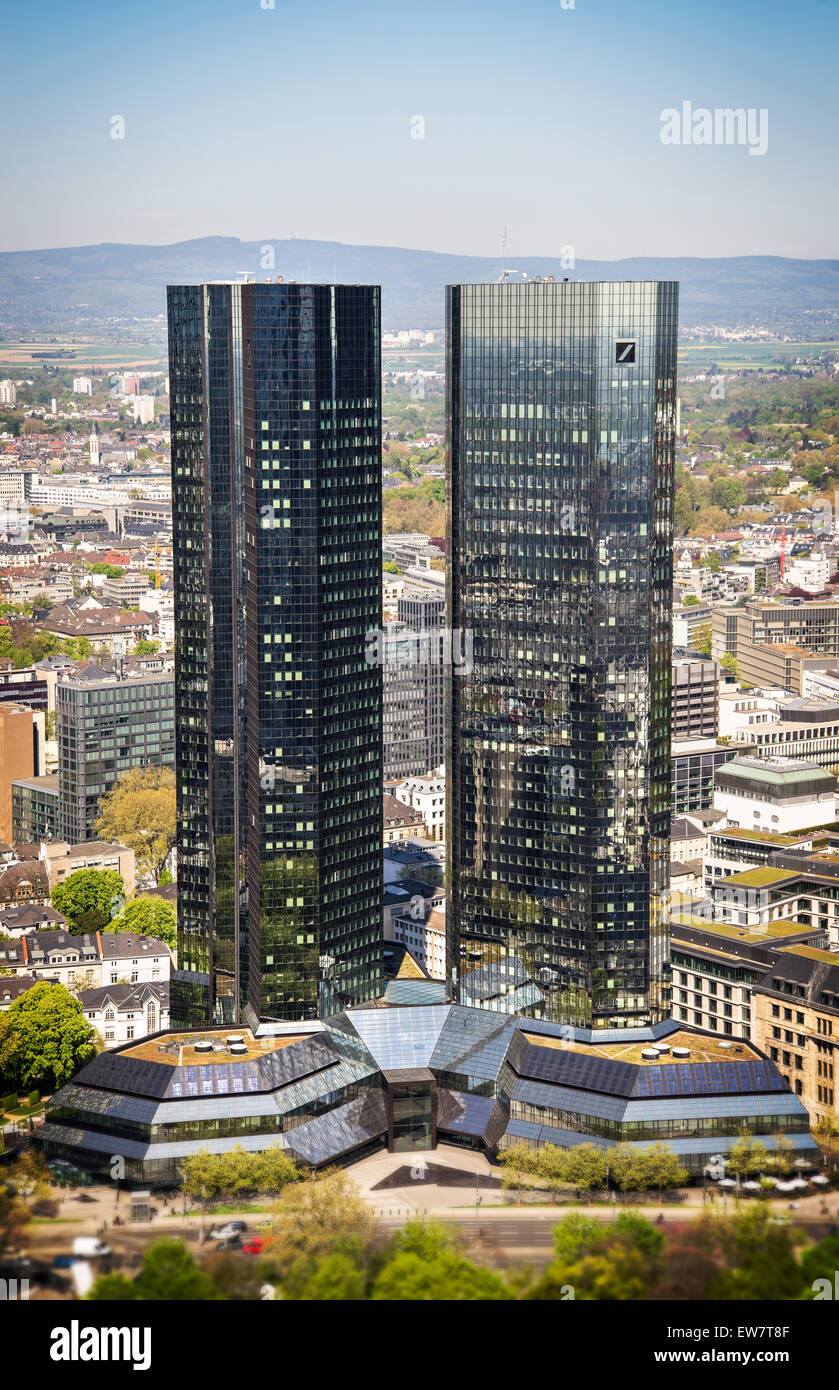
(139, 811)
(149, 917)
(46, 1038)
(90, 899)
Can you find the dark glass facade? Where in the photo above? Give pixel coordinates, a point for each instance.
(106, 727)
(561, 405)
(276, 440)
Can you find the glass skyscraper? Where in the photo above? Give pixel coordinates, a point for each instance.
(276, 485)
(561, 405)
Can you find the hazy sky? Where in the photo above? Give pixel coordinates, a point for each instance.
(256, 122)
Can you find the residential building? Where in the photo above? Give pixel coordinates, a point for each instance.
(688, 840)
(803, 728)
(425, 613)
(21, 754)
(401, 822)
(111, 628)
(143, 407)
(129, 589)
(125, 1013)
(107, 724)
(276, 472)
(422, 928)
(428, 796)
(24, 685)
(740, 711)
(406, 744)
(690, 624)
(796, 1022)
(61, 860)
(14, 921)
(561, 424)
(8, 392)
(718, 966)
(89, 960)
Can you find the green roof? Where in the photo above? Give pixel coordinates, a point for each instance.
(760, 877)
(769, 837)
(812, 953)
(772, 931)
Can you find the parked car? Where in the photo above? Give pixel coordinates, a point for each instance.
(254, 1246)
(63, 1261)
(233, 1228)
(233, 1242)
(90, 1248)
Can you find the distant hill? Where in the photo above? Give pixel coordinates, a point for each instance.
(105, 289)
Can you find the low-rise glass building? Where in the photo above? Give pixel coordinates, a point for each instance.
(410, 1072)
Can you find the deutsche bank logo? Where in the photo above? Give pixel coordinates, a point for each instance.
(625, 351)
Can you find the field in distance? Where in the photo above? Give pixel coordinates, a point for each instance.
(82, 354)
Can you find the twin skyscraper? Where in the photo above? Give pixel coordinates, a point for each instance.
(561, 428)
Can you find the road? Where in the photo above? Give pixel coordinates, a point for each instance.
(501, 1236)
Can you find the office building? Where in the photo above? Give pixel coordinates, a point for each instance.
(781, 795)
(34, 809)
(694, 695)
(774, 641)
(276, 472)
(406, 745)
(561, 401)
(106, 725)
(409, 1077)
(694, 764)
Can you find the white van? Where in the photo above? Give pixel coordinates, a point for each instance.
(82, 1277)
(90, 1247)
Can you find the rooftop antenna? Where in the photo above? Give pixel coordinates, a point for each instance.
(504, 272)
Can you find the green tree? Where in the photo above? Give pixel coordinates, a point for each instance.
(446, 1277)
(113, 1288)
(337, 1277)
(48, 1038)
(584, 1167)
(728, 663)
(661, 1168)
(202, 1177)
(424, 1263)
(821, 1261)
(146, 647)
(747, 1155)
(316, 1216)
(89, 899)
(520, 1166)
(169, 1274)
(760, 1256)
(782, 1158)
(149, 917)
(139, 811)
